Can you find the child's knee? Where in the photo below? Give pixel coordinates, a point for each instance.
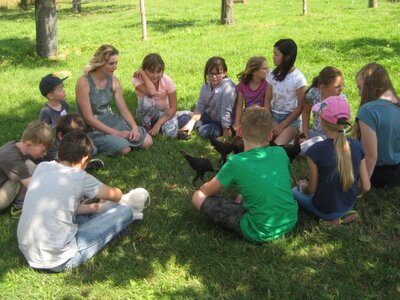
(147, 142)
(125, 150)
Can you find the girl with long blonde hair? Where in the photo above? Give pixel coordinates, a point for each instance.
(338, 173)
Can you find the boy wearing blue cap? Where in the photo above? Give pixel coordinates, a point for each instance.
(52, 87)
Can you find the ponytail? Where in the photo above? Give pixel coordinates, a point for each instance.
(343, 160)
(314, 84)
(344, 164)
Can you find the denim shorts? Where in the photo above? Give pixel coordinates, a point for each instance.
(224, 212)
(279, 118)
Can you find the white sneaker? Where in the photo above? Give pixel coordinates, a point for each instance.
(136, 199)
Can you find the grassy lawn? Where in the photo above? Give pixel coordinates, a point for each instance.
(174, 252)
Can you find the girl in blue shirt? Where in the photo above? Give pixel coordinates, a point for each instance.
(337, 168)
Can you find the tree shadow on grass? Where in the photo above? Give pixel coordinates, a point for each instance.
(22, 52)
(165, 25)
(94, 9)
(17, 14)
(14, 122)
(366, 49)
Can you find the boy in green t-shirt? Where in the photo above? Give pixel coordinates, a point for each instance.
(265, 208)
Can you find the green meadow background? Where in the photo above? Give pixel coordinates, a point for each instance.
(174, 253)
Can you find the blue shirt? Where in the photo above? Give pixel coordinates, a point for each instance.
(383, 117)
(329, 197)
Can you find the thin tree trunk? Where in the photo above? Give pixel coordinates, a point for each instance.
(372, 3)
(46, 28)
(227, 16)
(143, 17)
(24, 4)
(305, 7)
(76, 6)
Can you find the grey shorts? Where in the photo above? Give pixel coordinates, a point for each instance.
(224, 212)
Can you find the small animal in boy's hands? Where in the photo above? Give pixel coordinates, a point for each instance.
(199, 164)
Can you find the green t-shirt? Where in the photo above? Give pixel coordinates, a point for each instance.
(262, 176)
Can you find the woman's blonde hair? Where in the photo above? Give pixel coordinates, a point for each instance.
(344, 163)
(100, 58)
(375, 81)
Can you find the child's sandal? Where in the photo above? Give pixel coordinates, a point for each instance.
(348, 217)
(334, 222)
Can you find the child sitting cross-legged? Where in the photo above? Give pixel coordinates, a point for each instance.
(265, 208)
(16, 166)
(337, 168)
(55, 231)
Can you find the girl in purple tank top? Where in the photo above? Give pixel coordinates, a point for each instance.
(252, 86)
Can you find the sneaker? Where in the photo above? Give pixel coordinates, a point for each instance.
(16, 211)
(93, 165)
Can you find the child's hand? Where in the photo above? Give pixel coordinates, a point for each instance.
(134, 135)
(301, 184)
(95, 208)
(124, 134)
(138, 74)
(188, 127)
(92, 208)
(277, 129)
(239, 199)
(155, 130)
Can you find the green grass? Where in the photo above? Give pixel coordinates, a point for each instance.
(174, 252)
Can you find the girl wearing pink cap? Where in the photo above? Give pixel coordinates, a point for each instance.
(337, 169)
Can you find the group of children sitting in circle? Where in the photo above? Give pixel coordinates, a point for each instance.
(68, 215)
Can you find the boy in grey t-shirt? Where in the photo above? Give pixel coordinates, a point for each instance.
(56, 231)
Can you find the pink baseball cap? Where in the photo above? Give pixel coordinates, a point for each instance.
(333, 109)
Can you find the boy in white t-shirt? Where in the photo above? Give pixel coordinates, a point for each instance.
(55, 231)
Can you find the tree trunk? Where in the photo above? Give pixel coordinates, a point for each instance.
(227, 17)
(76, 6)
(46, 28)
(143, 17)
(24, 4)
(372, 3)
(305, 7)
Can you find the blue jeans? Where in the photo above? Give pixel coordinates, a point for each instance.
(279, 118)
(208, 128)
(305, 201)
(95, 231)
